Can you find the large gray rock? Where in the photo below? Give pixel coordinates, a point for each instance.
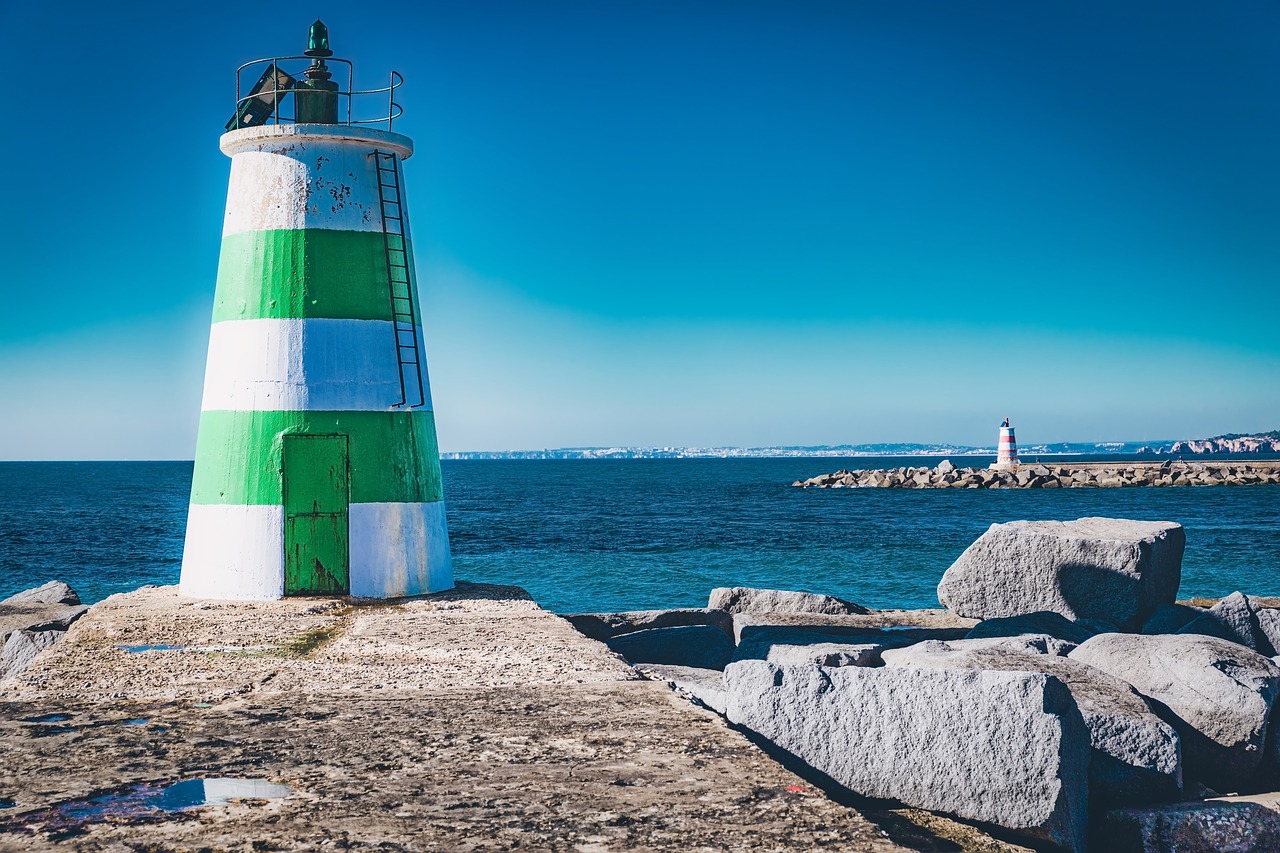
(1007, 748)
(742, 599)
(827, 654)
(602, 626)
(1216, 693)
(1038, 644)
(1201, 827)
(38, 617)
(54, 592)
(1040, 622)
(1232, 618)
(1136, 758)
(22, 647)
(1111, 569)
(699, 646)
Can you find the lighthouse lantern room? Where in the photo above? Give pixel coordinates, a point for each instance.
(317, 470)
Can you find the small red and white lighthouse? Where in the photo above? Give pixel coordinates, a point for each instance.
(1007, 451)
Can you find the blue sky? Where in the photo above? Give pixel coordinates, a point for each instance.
(690, 223)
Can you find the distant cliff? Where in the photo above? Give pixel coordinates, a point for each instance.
(1231, 443)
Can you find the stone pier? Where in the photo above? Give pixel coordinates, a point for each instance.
(470, 720)
(1055, 475)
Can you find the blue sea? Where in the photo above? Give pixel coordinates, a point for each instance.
(587, 535)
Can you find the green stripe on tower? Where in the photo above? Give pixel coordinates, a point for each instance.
(311, 272)
(393, 455)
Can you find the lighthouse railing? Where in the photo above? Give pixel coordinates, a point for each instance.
(272, 94)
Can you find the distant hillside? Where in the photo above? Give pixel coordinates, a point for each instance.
(1260, 442)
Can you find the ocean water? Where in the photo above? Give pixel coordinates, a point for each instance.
(585, 535)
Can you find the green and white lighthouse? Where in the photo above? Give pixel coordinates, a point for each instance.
(317, 470)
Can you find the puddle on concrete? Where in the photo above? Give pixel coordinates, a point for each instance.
(162, 647)
(47, 718)
(145, 802)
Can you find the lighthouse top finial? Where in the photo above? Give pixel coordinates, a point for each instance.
(318, 41)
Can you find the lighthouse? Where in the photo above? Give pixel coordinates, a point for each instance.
(317, 470)
(1007, 450)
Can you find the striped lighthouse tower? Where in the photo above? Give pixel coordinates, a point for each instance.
(317, 470)
(1007, 450)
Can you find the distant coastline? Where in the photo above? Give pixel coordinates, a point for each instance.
(1225, 445)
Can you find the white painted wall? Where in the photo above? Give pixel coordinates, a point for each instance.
(399, 549)
(233, 551)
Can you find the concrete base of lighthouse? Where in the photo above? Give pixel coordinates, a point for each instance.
(397, 550)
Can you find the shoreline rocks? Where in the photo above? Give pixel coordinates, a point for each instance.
(32, 621)
(1056, 475)
(1087, 701)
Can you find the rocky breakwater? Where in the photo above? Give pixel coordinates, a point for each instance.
(1063, 696)
(1054, 476)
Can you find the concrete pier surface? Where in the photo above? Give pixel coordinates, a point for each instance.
(470, 720)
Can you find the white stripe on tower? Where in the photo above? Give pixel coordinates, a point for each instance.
(291, 177)
(299, 365)
(247, 564)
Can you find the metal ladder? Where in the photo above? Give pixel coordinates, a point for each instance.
(404, 319)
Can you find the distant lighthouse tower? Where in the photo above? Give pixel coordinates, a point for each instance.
(317, 470)
(1007, 451)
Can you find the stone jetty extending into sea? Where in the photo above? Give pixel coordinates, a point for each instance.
(1055, 475)
(1061, 698)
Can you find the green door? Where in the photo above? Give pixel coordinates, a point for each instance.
(316, 496)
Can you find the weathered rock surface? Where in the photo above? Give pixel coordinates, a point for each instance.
(704, 685)
(22, 647)
(1216, 693)
(1041, 622)
(603, 626)
(54, 592)
(1038, 644)
(741, 599)
(38, 617)
(33, 620)
(1112, 569)
(699, 646)
(827, 654)
(1007, 748)
(1198, 827)
(1232, 618)
(1136, 755)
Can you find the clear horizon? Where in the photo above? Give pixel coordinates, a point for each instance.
(693, 225)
